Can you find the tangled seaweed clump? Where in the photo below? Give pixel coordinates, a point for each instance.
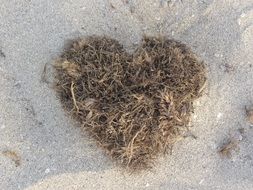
(135, 106)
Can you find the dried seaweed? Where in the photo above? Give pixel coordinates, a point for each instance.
(249, 113)
(13, 156)
(228, 147)
(135, 106)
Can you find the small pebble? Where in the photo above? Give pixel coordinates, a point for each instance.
(219, 115)
(158, 18)
(240, 137)
(47, 170)
(218, 55)
(243, 15)
(201, 181)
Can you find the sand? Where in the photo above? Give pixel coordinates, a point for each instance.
(51, 150)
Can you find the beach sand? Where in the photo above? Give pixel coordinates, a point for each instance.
(41, 147)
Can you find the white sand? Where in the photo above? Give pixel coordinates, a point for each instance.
(55, 155)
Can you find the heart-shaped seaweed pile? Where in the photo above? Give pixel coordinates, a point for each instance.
(134, 105)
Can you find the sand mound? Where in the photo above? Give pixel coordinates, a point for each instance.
(135, 106)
